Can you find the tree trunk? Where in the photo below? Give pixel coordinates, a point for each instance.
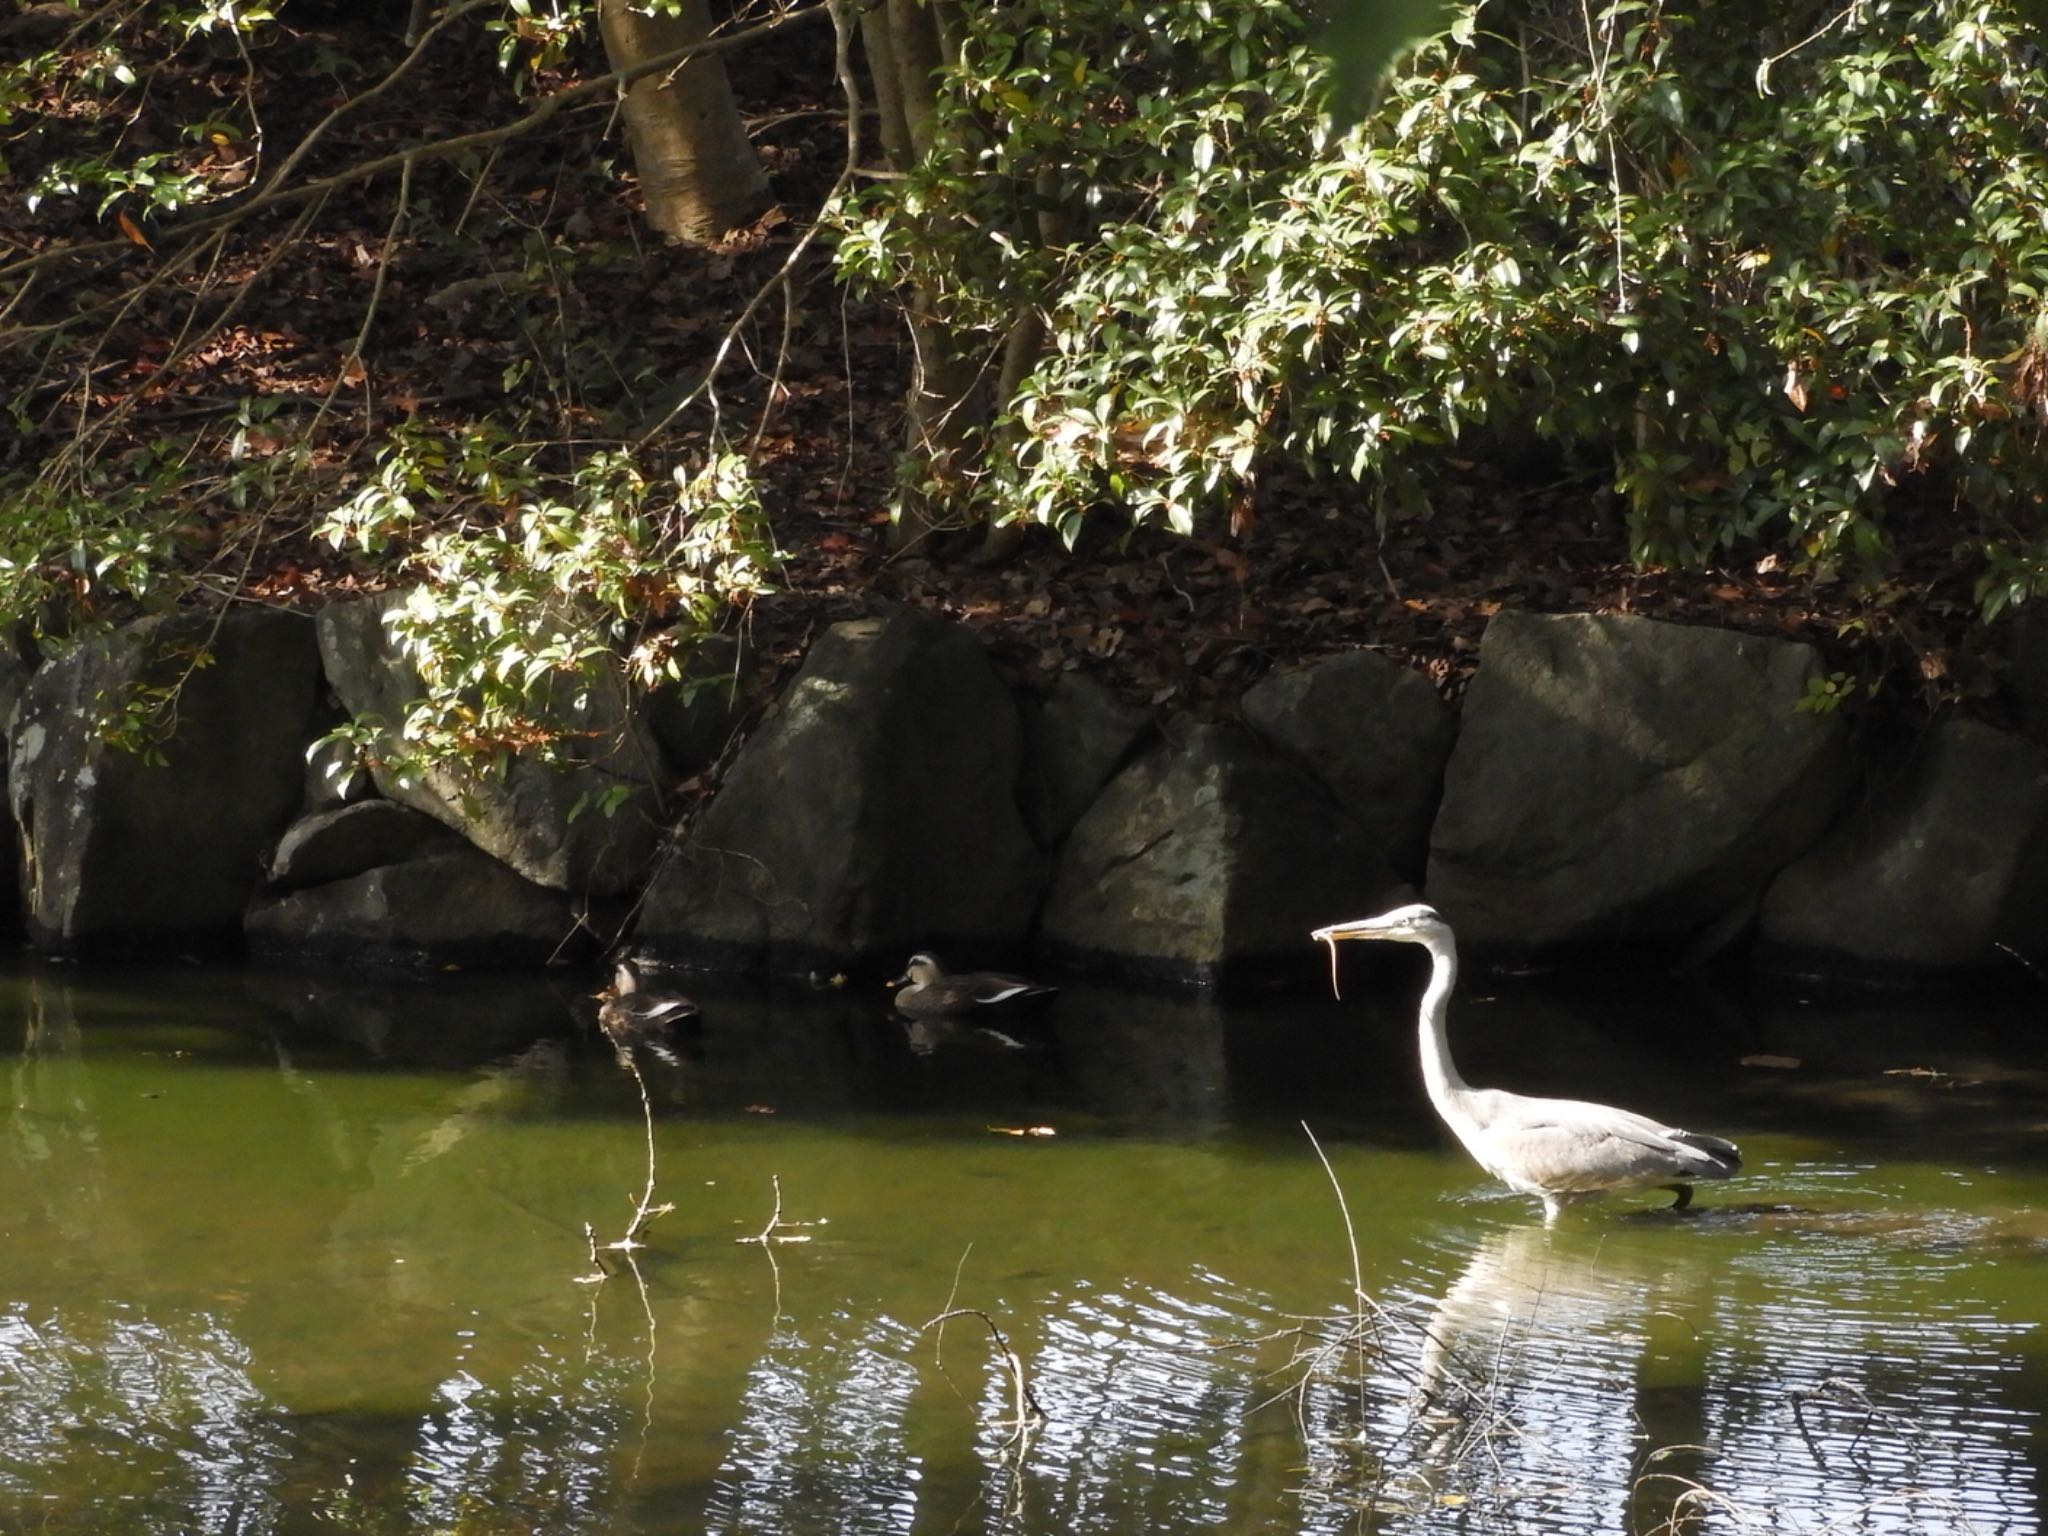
(959, 392)
(1022, 350)
(698, 170)
(906, 42)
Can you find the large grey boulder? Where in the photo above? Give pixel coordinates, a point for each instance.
(1376, 733)
(693, 719)
(17, 664)
(1207, 857)
(455, 906)
(1073, 742)
(874, 814)
(545, 822)
(1619, 777)
(124, 848)
(1943, 862)
(2026, 638)
(338, 842)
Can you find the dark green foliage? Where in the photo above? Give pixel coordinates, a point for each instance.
(431, 352)
(1778, 271)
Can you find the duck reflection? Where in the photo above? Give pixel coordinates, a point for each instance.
(928, 1036)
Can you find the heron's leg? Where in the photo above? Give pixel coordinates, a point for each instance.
(1684, 1193)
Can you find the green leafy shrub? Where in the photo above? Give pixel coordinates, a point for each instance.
(1772, 284)
(534, 589)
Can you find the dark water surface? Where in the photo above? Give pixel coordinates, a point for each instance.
(282, 1256)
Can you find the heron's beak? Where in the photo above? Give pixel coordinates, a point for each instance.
(1333, 933)
(1361, 928)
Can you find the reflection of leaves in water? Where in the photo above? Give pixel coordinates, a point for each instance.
(821, 1441)
(540, 1454)
(162, 1420)
(1135, 1402)
(165, 1415)
(1890, 1405)
(502, 1091)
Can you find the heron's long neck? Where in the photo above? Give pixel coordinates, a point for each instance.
(1439, 1073)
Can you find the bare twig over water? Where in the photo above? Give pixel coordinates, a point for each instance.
(1026, 1408)
(774, 1232)
(645, 1211)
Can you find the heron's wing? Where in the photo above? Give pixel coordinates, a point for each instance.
(1716, 1147)
(1567, 1144)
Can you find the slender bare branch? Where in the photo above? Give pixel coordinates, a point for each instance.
(542, 112)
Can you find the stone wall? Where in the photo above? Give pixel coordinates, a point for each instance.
(1609, 785)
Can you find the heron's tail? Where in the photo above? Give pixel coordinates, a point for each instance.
(1723, 1157)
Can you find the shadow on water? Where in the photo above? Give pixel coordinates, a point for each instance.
(285, 1255)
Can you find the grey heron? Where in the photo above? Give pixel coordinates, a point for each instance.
(1559, 1150)
(926, 990)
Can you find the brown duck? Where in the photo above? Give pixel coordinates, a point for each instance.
(631, 1015)
(926, 990)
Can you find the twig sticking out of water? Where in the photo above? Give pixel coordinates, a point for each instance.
(1027, 1412)
(599, 1271)
(773, 1232)
(645, 1211)
(1908, 1509)
(1831, 1389)
(1343, 1210)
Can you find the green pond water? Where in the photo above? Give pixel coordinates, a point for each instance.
(281, 1255)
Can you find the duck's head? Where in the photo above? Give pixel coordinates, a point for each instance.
(921, 969)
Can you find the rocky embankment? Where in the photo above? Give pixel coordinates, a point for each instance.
(1608, 784)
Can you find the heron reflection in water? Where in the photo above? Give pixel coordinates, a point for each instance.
(1518, 1289)
(1531, 1373)
(1559, 1150)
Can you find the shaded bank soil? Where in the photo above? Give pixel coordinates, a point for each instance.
(524, 290)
